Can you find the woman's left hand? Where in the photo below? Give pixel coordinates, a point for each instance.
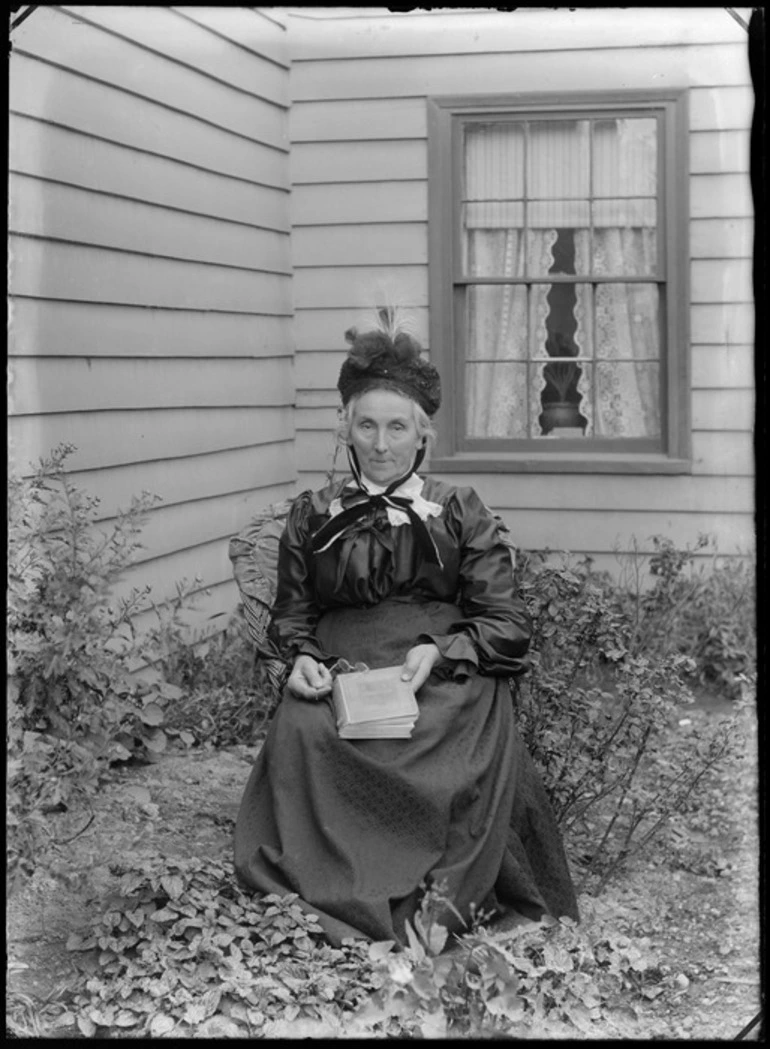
(418, 664)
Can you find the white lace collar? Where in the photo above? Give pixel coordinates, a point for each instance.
(410, 489)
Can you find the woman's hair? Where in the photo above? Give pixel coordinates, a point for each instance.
(422, 420)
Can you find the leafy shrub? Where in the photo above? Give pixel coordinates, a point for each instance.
(595, 712)
(219, 717)
(707, 613)
(222, 701)
(222, 658)
(66, 639)
(181, 950)
(74, 706)
(545, 979)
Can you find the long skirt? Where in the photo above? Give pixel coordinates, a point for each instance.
(358, 828)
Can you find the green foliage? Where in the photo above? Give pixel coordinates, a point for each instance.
(74, 706)
(595, 713)
(181, 950)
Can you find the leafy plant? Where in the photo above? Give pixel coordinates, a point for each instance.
(74, 705)
(595, 712)
(562, 375)
(552, 978)
(706, 612)
(222, 701)
(219, 717)
(66, 639)
(180, 950)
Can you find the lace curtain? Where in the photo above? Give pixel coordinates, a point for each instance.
(598, 183)
(620, 389)
(499, 380)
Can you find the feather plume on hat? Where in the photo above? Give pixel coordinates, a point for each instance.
(388, 356)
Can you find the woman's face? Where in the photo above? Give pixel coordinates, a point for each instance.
(383, 432)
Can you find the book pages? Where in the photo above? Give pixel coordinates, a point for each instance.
(374, 704)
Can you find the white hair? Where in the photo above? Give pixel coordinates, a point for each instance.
(422, 420)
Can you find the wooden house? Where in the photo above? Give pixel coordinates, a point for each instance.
(203, 199)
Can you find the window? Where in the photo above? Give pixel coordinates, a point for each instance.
(558, 264)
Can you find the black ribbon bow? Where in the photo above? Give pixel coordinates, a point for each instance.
(360, 502)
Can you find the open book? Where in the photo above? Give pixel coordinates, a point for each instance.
(374, 704)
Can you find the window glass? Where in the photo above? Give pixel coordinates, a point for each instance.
(579, 355)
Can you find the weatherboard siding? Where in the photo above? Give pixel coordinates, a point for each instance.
(203, 200)
(150, 270)
(359, 208)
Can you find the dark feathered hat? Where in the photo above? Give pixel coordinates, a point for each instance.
(389, 357)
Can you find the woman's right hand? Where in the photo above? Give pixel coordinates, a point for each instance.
(309, 679)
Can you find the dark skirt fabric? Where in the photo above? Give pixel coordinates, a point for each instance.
(358, 827)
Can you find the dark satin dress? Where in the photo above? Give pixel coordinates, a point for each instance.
(358, 827)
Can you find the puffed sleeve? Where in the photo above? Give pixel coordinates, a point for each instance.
(494, 634)
(295, 612)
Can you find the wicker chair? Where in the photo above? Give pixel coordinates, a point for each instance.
(254, 554)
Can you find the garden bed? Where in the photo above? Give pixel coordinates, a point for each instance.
(691, 904)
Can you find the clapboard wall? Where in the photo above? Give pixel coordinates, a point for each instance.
(150, 272)
(359, 83)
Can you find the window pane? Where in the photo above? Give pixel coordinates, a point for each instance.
(496, 400)
(493, 201)
(624, 252)
(627, 396)
(627, 400)
(560, 323)
(494, 162)
(497, 322)
(625, 157)
(624, 213)
(561, 320)
(626, 322)
(496, 372)
(558, 161)
(493, 252)
(558, 389)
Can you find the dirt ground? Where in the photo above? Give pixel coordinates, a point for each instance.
(703, 926)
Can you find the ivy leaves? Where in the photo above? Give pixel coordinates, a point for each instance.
(545, 979)
(179, 948)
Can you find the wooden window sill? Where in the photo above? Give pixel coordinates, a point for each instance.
(564, 462)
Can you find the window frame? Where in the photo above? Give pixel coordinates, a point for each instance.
(446, 116)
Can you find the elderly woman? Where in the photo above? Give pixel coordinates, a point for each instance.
(390, 568)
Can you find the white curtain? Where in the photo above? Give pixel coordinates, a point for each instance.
(501, 388)
(600, 184)
(621, 388)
